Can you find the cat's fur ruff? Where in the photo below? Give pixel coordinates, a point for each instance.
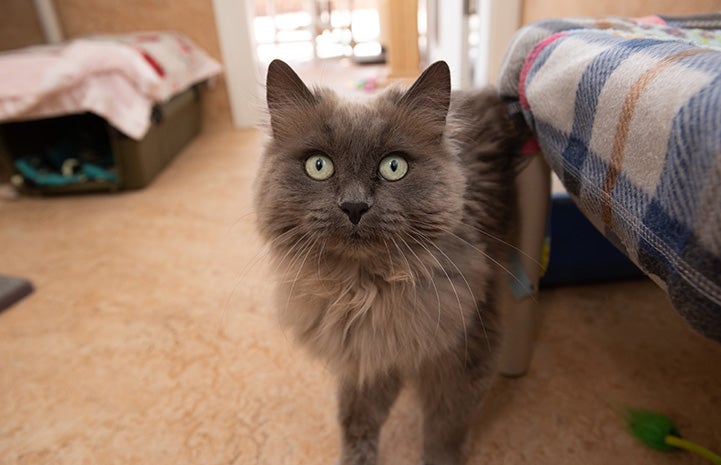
(405, 295)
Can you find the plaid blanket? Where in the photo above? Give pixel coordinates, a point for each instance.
(628, 115)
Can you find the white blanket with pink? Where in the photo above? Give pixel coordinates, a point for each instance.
(119, 78)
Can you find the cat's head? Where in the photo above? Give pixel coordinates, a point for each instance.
(356, 178)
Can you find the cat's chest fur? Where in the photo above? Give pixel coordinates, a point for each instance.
(365, 318)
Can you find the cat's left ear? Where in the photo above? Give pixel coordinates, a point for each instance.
(431, 92)
(285, 92)
(283, 86)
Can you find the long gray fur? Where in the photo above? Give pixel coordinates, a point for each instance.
(406, 295)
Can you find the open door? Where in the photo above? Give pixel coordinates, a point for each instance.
(470, 35)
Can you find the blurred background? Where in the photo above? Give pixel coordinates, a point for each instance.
(335, 36)
(147, 334)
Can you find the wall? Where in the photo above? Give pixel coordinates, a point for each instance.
(534, 10)
(19, 26)
(194, 18)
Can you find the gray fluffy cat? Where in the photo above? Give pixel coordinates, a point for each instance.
(386, 219)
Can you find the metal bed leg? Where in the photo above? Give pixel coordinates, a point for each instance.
(520, 307)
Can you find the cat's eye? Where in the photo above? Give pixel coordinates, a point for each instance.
(319, 167)
(393, 167)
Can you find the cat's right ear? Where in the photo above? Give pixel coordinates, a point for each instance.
(431, 92)
(284, 90)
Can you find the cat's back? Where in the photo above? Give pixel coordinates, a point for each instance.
(482, 125)
(486, 136)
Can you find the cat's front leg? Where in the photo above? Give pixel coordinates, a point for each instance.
(363, 408)
(449, 394)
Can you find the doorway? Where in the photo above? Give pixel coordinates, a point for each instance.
(300, 31)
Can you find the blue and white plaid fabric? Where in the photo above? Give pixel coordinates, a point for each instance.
(628, 115)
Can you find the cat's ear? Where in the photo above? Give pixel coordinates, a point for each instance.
(284, 90)
(431, 92)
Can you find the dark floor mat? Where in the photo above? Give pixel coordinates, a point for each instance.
(13, 289)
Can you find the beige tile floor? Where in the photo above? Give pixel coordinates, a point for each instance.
(151, 340)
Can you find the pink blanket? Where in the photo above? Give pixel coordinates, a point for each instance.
(117, 77)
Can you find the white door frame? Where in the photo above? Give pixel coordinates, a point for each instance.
(448, 37)
(234, 22)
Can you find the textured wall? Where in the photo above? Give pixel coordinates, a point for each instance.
(540, 9)
(19, 26)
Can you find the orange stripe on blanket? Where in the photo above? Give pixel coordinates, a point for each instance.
(624, 124)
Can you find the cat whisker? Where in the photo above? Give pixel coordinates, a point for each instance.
(264, 251)
(493, 260)
(432, 281)
(468, 286)
(309, 248)
(317, 261)
(238, 280)
(390, 258)
(394, 277)
(239, 219)
(414, 282)
(251, 264)
(455, 292)
(300, 255)
(508, 244)
(290, 251)
(240, 275)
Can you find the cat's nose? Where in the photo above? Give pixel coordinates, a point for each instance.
(354, 210)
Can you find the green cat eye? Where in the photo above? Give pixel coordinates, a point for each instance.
(319, 167)
(393, 167)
